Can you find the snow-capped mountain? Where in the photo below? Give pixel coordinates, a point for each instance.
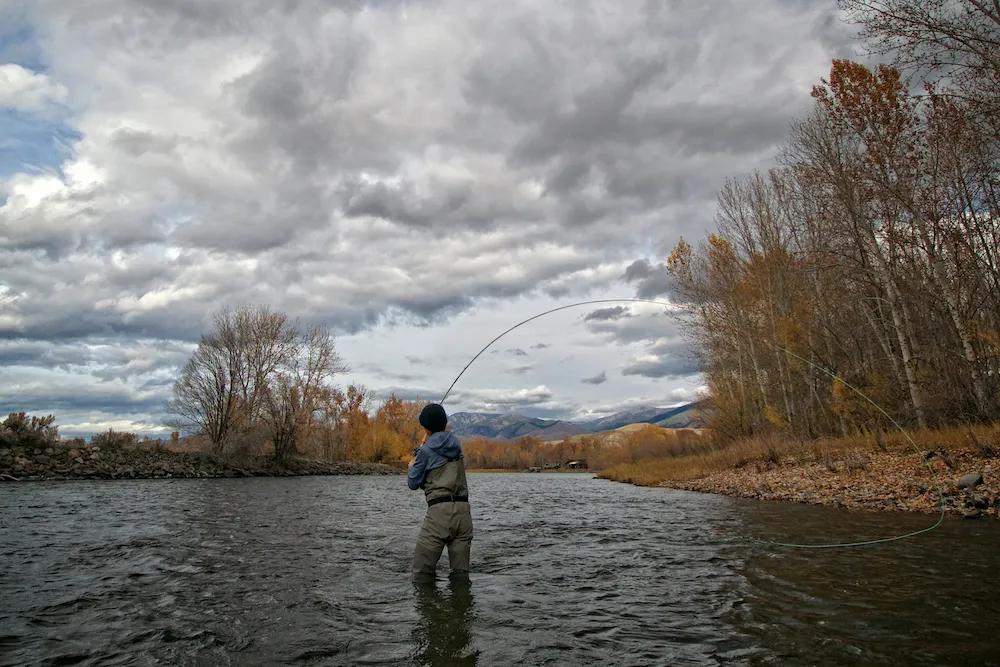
(510, 426)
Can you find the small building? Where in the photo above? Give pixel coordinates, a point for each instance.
(579, 464)
(552, 466)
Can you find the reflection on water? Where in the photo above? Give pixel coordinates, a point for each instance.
(566, 570)
(443, 635)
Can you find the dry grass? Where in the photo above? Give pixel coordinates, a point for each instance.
(984, 439)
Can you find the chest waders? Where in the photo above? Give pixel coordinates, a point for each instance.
(448, 522)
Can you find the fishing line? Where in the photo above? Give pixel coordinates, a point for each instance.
(790, 545)
(916, 450)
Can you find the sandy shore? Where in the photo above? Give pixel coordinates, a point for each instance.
(61, 462)
(969, 481)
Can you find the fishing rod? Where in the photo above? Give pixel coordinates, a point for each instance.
(812, 364)
(535, 317)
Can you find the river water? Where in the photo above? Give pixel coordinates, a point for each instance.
(567, 570)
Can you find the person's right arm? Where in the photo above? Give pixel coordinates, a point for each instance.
(418, 470)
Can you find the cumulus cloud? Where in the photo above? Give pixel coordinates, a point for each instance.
(376, 164)
(600, 378)
(688, 394)
(510, 400)
(24, 90)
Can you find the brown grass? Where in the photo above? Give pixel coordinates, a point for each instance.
(774, 449)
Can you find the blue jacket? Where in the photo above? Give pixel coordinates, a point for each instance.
(438, 449)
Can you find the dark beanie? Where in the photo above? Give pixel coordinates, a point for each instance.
(433, 418)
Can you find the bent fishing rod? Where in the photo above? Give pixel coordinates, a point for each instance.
(812, 364)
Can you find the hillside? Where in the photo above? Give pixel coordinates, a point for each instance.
(691, 415)
(629, 433)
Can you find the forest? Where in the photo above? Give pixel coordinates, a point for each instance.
(870, 257)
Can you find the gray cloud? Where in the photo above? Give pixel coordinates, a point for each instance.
(648, 322)
(385, 374)
(600, 378)
(373, 166)
(511, 351)
(612, 313)
(651, 281)
(667, 358)
(418, 394)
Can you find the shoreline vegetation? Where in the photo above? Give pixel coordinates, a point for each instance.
(874, 471)
(31, 449)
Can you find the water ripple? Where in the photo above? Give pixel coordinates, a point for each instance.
(568, 570)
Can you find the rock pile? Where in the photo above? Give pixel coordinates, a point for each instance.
(59, 461)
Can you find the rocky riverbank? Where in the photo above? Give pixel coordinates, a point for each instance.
(969, 481)
(57, 461)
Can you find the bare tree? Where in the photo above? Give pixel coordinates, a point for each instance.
(955, 39)
(205, 394)
(220, 388)
(299, 387)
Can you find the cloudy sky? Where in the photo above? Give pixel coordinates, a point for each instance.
(417, 175)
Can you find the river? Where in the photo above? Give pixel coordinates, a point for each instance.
(567, 570)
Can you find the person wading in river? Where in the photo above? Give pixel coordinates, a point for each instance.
(438, 468)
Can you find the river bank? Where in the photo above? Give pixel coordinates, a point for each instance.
(57, 461)
(877, 481)
(867, 473)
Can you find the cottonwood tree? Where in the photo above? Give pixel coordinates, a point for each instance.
(872, 253)
(220, 389)
(956, 39)
(298, 387)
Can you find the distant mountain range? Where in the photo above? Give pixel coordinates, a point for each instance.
(510, 426)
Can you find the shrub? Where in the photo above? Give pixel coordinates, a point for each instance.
(20, 430)
(112, 439)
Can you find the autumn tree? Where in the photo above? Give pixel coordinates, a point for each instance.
(869, 258)
(957, 41)
(397, 430)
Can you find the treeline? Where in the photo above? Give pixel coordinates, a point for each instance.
(598, 452)
(258, 384)
(873, 252)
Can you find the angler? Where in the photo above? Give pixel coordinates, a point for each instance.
(438, 468)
